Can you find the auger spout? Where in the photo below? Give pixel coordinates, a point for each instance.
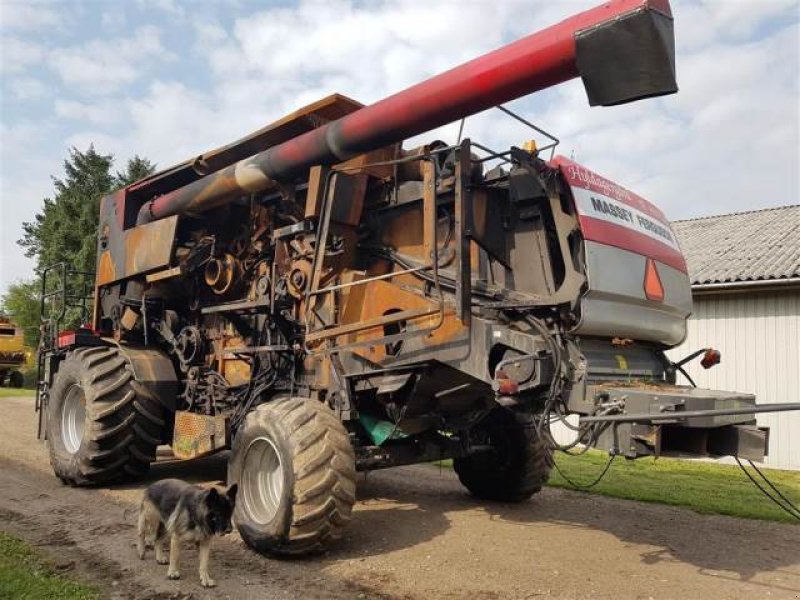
(623, 51)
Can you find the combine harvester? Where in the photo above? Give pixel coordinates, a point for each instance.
(12, 353)
(322, 301)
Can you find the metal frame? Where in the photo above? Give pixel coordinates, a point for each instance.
(87, 293)
(463, 232)
(50, 324)
(430, 177)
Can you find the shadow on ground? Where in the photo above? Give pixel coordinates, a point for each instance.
(402, 508)
(413, 507)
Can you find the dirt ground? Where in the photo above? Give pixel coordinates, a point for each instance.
(415, 535)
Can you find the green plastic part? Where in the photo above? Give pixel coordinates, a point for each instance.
(379, 430)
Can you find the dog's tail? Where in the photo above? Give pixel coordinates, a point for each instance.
(129, 510)
(172, 523)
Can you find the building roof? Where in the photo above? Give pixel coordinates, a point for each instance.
(760, 245)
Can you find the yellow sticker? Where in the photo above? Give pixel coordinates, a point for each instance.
(621, 362)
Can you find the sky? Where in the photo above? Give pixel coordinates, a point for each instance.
(169, 80)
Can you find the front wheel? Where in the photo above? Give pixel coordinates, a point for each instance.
(517, 466)
(295, 468)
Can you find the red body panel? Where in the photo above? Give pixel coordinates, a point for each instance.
(613, 215)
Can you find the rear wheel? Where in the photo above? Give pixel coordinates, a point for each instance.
(295, 468)
(518, 465)
(102, 425)
(16, 379)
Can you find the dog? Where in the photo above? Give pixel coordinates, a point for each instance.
(184, 513)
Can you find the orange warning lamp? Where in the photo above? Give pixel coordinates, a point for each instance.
(653, 289)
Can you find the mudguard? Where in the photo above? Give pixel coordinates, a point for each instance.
(153, 369)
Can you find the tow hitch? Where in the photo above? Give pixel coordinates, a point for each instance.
(681, 420)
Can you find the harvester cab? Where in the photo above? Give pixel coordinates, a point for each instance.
(322, 300)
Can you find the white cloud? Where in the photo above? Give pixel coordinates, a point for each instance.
(168, 6)
(17, 55)
(262, 70)
(375, 48)
(113, 19)
(728, 141)
(103, 66)
(24, 16)
(711, 22)
(22, 188)
(107, 113)
(208, 32)
(27, 88)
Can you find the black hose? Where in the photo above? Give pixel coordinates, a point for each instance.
(791, 509)
(775, 489)
(585, 487)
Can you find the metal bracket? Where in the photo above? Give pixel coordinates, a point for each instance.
(463, 233)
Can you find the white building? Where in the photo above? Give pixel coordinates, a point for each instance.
(745, 274)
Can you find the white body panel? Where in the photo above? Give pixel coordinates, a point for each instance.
(758, 335)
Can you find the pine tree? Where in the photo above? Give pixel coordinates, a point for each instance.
(65, 230)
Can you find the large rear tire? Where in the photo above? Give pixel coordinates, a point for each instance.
(102, 425)
(16, 379)
(517, 467)
(295, 468)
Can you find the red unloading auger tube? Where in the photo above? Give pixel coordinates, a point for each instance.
(623, 51)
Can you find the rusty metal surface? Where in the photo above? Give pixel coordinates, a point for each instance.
(317, 178)
(125, 253)
(428, 172)
(198, 435)
(463, 232)
(153, 369)
(149, 247)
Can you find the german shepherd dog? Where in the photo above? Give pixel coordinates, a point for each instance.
(184, 513)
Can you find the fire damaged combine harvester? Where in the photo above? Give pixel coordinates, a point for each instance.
(321, 301)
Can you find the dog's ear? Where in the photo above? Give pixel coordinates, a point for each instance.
(212, 496)
(231, 493)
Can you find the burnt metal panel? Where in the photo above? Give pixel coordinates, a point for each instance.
(148, 247)
(463, 232)
(124, 253)
(153, 369)
(347, 198)
(199, 435)
(489, 211)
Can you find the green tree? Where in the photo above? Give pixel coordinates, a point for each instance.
(136, 169)
(65, 229)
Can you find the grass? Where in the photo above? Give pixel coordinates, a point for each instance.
(27, 575)
(701, 486)
(11, 392)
